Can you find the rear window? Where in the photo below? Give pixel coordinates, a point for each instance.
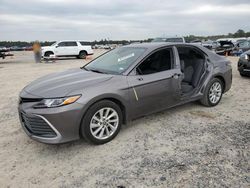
(174, 40)
(85, 43)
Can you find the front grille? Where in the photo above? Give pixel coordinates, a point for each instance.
(24, 100)
(37, 126)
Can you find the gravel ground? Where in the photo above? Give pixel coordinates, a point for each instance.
(187, 146)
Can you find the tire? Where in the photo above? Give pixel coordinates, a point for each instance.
(210, 90)
(82, 55)
(242, 74)
(90, 125)
(47, 54)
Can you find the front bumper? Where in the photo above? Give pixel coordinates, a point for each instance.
(244, 66)
(62, 122)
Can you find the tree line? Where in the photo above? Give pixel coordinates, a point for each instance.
(189, 38)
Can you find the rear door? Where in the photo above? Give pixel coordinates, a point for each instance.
(71, 48)
(155, 84)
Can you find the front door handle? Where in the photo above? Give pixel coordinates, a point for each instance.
(140, 79)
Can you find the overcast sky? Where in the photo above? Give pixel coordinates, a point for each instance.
(119, 19)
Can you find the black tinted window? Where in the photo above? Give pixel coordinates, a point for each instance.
(174, 40)
(161, 60)
(85, 43)
(62, 44)
(71, 43)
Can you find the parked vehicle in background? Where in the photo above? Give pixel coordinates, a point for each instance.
(225, 47)
(241, 47)
(16, 48)
(238, 41)
(4, 52)
(28, 48)
(197, 41)
(244, 64)
(118, 86)
(211, 45)
(67, 49)
(169, 39)
(244, 46)
(3, 49)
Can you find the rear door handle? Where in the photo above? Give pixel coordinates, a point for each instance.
(176, 76)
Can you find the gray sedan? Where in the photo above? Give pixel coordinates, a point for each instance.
(123, 84)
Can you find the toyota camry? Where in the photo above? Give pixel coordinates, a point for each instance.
(123, 84)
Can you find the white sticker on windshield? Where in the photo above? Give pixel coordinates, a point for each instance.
(126, 57)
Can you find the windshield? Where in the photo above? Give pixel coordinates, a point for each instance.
(115, 61)
(245, 44)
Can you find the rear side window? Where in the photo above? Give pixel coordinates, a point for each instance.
(159, 61)
(71, 43)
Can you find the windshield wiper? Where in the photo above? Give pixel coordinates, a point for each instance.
(84, 68)
(98, 71)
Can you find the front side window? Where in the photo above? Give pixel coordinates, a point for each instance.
(61, 44)
(159, 61)
(116, 61)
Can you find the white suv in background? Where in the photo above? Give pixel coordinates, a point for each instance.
(67, 49)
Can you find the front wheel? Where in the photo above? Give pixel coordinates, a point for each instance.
(213, 93)
(48, 54)
(102, 122)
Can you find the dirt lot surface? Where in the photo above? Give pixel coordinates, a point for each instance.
(187, 146)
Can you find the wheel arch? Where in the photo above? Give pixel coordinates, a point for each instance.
(222, 79)
(112, 98)
(51, 51)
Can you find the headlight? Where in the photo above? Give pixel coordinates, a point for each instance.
(246, 57)
(50, 103)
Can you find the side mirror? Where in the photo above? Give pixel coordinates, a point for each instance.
(246, 57)
(57, 46)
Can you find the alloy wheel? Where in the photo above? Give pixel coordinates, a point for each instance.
(215, 92)
(104, 123)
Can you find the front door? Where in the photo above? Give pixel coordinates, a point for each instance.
(156, 85)
(60, 49)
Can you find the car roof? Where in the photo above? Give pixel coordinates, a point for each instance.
(155, 45)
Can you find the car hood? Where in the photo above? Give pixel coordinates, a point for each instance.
(63, 83)
(47, 47)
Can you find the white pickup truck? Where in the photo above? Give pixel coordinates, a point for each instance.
(67, 49)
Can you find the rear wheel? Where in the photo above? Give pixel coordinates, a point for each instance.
(102, 122)
(213, 93)
(82, 55)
